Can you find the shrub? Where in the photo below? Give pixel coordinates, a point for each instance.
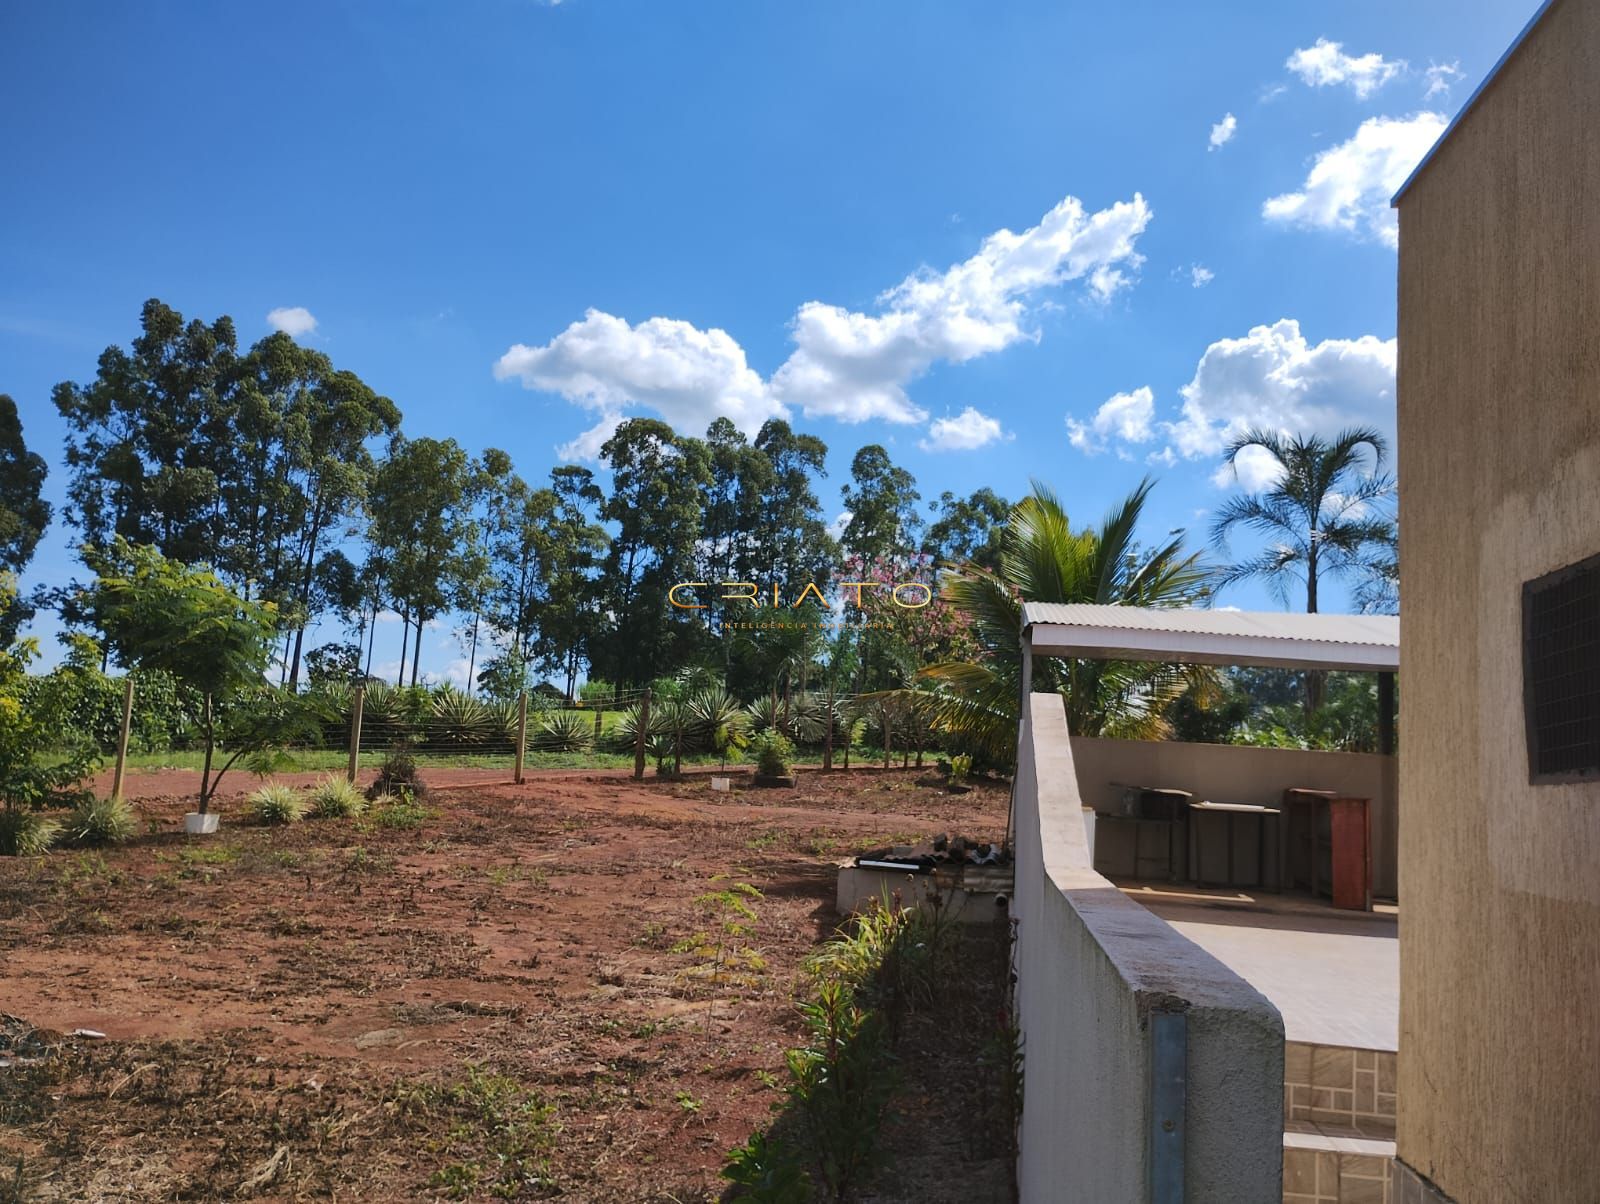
(277, 805)
(398, 776)
(773, 753)
(25, 833)
(335, 798)
(100, 821)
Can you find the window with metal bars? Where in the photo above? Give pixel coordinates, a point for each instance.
(1561, 673)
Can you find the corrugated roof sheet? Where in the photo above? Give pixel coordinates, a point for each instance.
(1375, 631)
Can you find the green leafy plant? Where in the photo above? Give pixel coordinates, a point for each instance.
(766, 1171)
(723, 949)
(398, 812)
(335, 798)
(100, 822)
(960, 769)
(773, 753)
(277, 805)
(398, 776)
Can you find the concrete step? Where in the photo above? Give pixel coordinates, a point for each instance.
(1338, 1086)
(1327, 1164)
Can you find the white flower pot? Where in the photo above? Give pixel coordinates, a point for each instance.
(196, 824)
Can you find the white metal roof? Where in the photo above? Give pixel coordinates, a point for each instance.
(1214, 637)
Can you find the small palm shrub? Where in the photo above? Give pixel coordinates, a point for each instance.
(773, 753)
(98, 821)
(277, 805)
(335, 798)
(25, 833)
(398, 776)
(564, 731)
(460, 723)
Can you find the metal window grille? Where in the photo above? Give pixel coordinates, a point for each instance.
(1561, 673)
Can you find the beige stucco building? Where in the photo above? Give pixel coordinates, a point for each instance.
(1499, 449)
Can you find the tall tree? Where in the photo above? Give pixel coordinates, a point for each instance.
(882, 501)
(658, 482)
(24, 514)
(570, 620)
(967, 530)
(791, 538)
(1323, 516)
(421, 507)
(150, 438)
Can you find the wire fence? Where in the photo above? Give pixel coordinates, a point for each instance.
(357, 727)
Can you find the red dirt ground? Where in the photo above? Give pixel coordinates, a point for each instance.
(287, 1010)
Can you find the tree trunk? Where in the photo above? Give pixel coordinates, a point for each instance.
(405, 644)
(416, 652)
(472, 660)
(294, 665)
(205, 772)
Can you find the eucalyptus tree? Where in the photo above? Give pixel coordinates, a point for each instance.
(24, 514)
(151, 437)
(570, 619)
(658, 482)
(1323, 515)
(791, 540)
(881, 499)
(421, 515)
(967, 529)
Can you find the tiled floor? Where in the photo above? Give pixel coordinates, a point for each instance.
(1334, 975)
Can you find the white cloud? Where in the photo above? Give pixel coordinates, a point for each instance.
(846, 365)
(1125, 418)
(293, 320)
(1327, 65)
(687, 375)
(967, 431)
(840, 522)
(1253, 470)
(1222, 133)
(1441, 77)
(854, 366)
(1349, 185)
(1273, 378)
(1200, 275)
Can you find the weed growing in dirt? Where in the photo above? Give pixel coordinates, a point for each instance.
(496, 1133)
(725, 956)
(397, 813)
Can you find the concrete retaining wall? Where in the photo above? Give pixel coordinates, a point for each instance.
(1093, 966)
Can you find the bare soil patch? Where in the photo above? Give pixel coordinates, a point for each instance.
(339, 1011)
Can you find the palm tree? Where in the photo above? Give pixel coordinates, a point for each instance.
(1321, 517)
(1042, 559)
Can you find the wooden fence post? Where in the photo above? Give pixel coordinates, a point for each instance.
(522, 736)
(357, 705)
(599, 714)
(888, 734)
(639, 737)
(827, 734)
(122, 737)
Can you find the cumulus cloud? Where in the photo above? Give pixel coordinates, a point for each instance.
(1200, 275)
(1441, 78)
(1326, 65)
(293, 320)
(1222, 133)
(687, 375)
(1125, 418)
(855, 366)
(1272, 378)
(967, 431)
(1276, 379)
(1349, 185)
(847, 365)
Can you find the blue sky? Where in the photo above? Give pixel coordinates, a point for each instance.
(738, 191)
